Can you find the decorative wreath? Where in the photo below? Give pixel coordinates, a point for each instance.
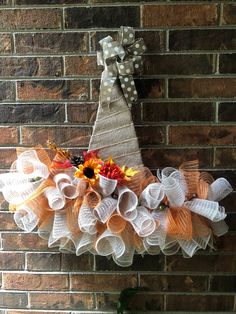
(105, 201)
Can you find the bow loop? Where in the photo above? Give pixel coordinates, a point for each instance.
(137, 48)
(121, 58)
(126, 67)
(126, 35)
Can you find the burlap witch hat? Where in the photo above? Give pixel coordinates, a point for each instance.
(113, 133)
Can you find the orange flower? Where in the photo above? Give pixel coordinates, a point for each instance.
(110, 170)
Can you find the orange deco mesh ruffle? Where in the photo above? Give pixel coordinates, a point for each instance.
(105, 201)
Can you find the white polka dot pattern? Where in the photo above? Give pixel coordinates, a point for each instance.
(122, 59)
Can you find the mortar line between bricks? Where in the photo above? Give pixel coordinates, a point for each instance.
(118, 292)
(66, 112)
(143, 100)
(167, 41)
(14, 43)
(94, 5)
(95, 301)
(206, 293)
(175, 273)
(209, 282)
(214, 157)
(86, 30)
(217, 113)
(93, 54)
(90, 49)
(28, 301)
(141, 15)
(63, 21)
(166, 91)
(20, 135)
(167, 135)
(108, 29)
(63, 67)
(145, 123)
(217, 64)
(220, 13)
(84, 78)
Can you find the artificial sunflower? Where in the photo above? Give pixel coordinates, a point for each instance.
(89, 170)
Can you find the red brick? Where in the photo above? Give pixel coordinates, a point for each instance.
(9, 135)
(154, 40)
(30, 19)
(150, 88)
(28, 113)
(51, 42)
(14, 281)
(61, 301)
(13, 300)
(62, 136)
(201, 263)
(7, 91)
(150, 135)
(23, 241)
(227, 63)
(146, 88)
(229, 14)
(7, 222)
(179, 15)
(140, 302)
(205, 39)
(178, 111)
(230, 204)
(208, 87)
(223, 283)
(71, 262)
(82, 65)
(174, 283)
(100, 282)
(227, 112)
(53, 89)
(202, 135)
(178, 64)
(43, 261)
(6, 43)
(140, 263)
(226, 243)
(173, 157)
(90, 17)
(225, 157)
(82, 113)
(200, 303)
(7, 156)
(12, 261)
(30, 66)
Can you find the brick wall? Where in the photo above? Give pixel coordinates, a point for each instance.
(49, 87)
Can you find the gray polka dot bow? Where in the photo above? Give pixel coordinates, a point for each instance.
(122, 59)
